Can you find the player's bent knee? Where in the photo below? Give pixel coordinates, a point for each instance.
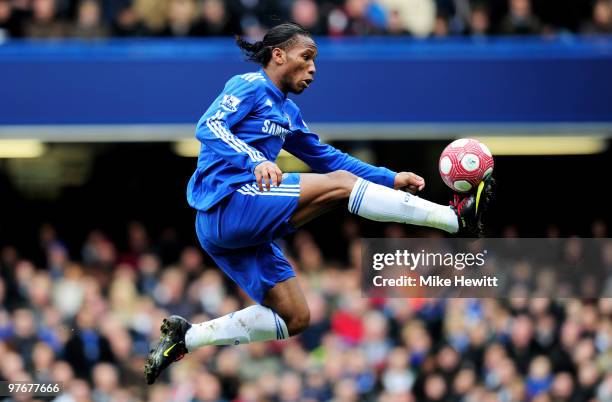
(342, 177)
(344, 182)
(298, 322)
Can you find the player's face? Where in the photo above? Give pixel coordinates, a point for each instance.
(300, 65)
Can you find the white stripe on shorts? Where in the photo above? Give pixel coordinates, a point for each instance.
(253, 190)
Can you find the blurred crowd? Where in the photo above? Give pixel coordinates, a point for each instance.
(91, 19)
(86, 317)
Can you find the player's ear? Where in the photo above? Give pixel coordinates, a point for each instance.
(279, 56)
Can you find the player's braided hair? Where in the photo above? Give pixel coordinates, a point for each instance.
(282, 36)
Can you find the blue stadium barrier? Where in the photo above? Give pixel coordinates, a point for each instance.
(499, 81)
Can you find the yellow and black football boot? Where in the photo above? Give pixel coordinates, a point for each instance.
(171, 347)
(472, 208)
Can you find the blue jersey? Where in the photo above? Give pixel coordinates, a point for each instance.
(249, 123)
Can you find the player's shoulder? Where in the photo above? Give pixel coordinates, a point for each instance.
(248, 81)
(254, 77)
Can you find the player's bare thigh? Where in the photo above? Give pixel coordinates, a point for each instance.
(320, 193)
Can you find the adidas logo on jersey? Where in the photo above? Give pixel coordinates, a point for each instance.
(250, 77)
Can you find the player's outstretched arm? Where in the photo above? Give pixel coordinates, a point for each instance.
(323, 158)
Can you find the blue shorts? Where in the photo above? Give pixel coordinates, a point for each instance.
(239, 233)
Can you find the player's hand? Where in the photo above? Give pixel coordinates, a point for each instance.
(267, 173)
(408, 181)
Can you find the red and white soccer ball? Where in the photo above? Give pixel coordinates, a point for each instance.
(464, 163)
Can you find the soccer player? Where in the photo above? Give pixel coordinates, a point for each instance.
(244, 201)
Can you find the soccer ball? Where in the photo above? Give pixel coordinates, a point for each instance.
(464, 163)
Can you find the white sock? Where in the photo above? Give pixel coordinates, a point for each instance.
(254, 323)
(383, 204)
